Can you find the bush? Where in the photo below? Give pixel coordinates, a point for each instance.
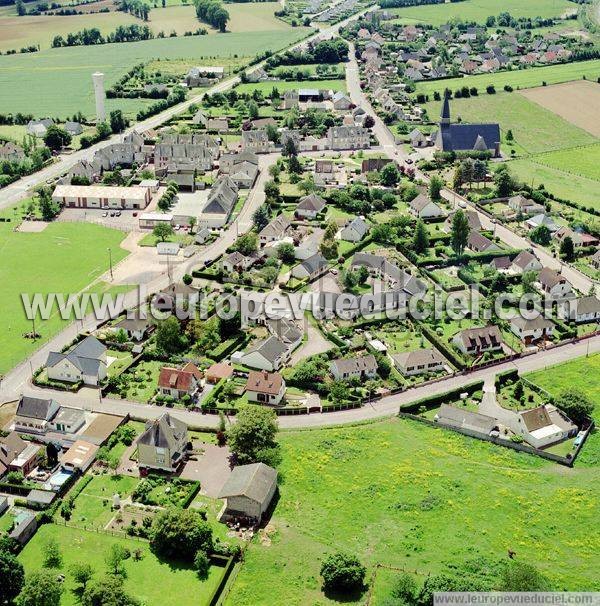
(342, 572)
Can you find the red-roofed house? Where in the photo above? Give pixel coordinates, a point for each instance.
(177, 382)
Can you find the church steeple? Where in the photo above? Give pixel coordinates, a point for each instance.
(445, 116)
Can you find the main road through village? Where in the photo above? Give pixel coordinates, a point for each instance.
(17, 381)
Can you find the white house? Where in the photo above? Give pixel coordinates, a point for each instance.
(355, 230)
(525, 261)
(85, 362)
(270, 355)
(309, 206)
(423, 207)
(310, 268)
(531, 330)
(553, 284)
(362, 367)
(478, 340)
(265, 387)
(418, 362)
(583, 309)
(543, 426)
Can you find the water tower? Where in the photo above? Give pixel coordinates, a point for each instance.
(98, 80)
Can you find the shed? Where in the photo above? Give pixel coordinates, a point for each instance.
(248, 491)
(40, 498)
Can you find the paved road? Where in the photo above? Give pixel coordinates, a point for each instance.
(88, 399)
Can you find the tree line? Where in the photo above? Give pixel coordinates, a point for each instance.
(402, 3)
(213, 13)
(92, 36)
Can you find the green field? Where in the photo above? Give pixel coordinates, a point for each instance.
(29, 264)
(560, 183)
(522, 78)
(402, 494)
(581, 161)
(152, 581)
(534, 128)
(283, 85)
(479, 10)
(62, 80)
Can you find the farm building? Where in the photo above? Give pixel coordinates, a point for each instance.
(96, 196)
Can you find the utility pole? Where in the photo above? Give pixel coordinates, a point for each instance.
(110, 262)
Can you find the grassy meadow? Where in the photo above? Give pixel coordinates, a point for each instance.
(401, 494)
(283, 85)
(152, 581)
(521, 78)
(479, 10)
(61, 77)
(579, 161)
(29, 262)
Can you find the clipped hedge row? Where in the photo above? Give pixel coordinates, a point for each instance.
(442, 398)
(445, 349)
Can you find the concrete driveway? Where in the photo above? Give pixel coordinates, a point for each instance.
(210, 468)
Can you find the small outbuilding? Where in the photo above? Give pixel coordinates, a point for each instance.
(248, 492)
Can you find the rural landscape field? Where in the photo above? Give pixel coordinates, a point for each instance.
(299, 302)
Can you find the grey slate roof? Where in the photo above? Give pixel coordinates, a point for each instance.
(360, 364)
(315, 263)
(465, 419)
(165, 432)
(271, 348)
(34, 408)
(253, 481)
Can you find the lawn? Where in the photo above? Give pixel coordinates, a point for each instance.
(558, 182)
(479, 10)
(522, 78)
(29, 265)
(402, 494)
(62, 79)
(142, 381)
(534, 128)
(93, 506)
(152, 581)
(283, 85)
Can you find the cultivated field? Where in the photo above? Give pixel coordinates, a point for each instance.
(581, 161)
(17, 32)
(244, 17)
(283, 85)
(479, 10)
(577, 102)
(522, 78)
(58, 81)
(29, 262)
(534, 128)
(403, 494)
(152, 581)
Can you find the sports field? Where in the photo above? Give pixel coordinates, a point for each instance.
(61, 78)
(479, 10)
(577, 102)
(29, 262)
(522, 78)
(535, 129)
(402, 494)
(152, 581)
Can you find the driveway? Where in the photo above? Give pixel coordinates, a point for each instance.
(315, 343)
(211, 468)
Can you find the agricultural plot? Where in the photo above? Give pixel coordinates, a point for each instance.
(479, 10)
(283, 85)
(171, 585)
(576, 102)
(522, 78)
(29, 262)
(432, 493)
(580, 161)
(534, 128)
(62, 80)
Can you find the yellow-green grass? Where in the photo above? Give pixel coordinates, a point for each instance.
(583, 374)
(580, 161)
(18, 32)
(479, 10)
(534, 128)
(64, 258)
(154, 582)
(522, 78)
(283, 85)
(402, 494)
(179, 67)
(62, 80)
(560, 183)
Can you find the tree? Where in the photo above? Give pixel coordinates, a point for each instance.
(405, 589)
(342, 572)
(118, 122)
(12, 577)
(541, 235)
(115, 557)
(260, 217)
(286, 252)
(108, 591)
(460, 232)
(201, 564)
(383, 233)
(575, 404)
(519, 391)
(421, 238)
(52, 555)
(509, 135)
(520, 576)
(56, 137)
(82, 573)
(162, 231)
(42, 588)
(180, 533)
(247, 244)
(435, 187)
(20, 6)
(187, 279)
(503, 181)
(389, 175)
(253, 433)
(338, 391)
(168, 335)
(567, 249)
(528, 280)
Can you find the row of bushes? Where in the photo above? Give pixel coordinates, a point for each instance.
(445, 397)
(446, 350)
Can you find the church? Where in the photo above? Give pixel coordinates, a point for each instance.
(466, 137)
